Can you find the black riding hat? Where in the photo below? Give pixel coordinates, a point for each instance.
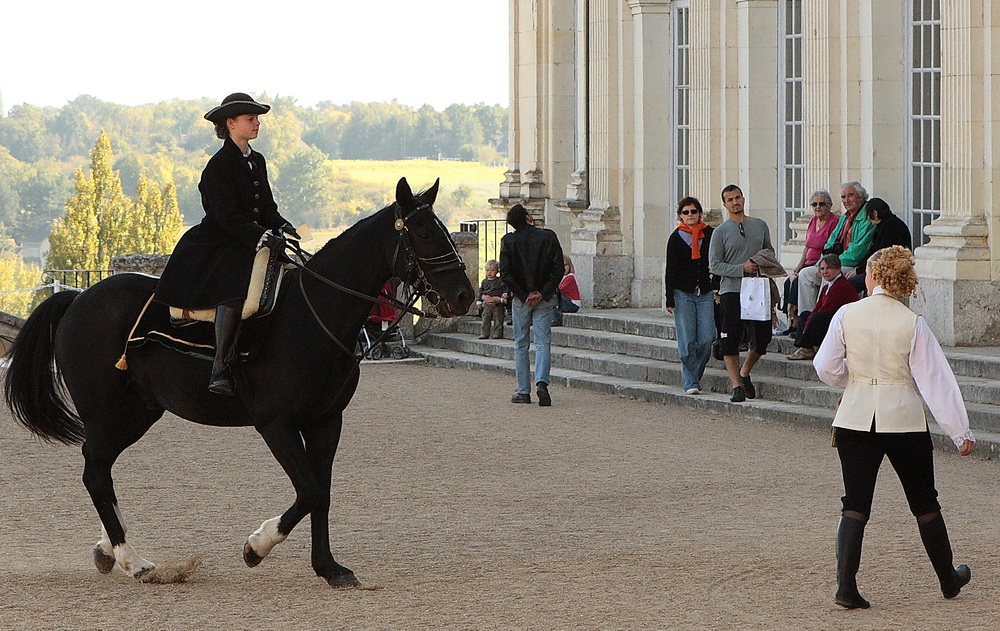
(235, 104)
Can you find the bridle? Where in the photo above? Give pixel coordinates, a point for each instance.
(417, 268)
(415, 277)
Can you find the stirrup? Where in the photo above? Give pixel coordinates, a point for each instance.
(222, 384)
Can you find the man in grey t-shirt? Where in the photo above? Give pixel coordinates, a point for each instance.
(733, 243)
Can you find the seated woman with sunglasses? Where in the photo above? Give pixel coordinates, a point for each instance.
(690, 292)
(821, 225)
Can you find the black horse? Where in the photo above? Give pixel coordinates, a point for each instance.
(293, 391)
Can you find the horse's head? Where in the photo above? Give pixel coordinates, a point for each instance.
(429, 260)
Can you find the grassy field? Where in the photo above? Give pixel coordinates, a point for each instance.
(482, 182)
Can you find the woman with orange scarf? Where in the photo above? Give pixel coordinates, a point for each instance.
(690, 290)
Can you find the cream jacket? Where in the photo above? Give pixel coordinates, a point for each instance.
(881, 353)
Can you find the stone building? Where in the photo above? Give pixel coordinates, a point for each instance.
(621, 107)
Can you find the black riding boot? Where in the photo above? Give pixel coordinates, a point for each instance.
(227, 324)
(934, 534)
(849, 537)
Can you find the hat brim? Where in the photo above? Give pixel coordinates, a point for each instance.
(235, 108)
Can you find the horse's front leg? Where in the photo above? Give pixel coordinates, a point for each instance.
(311, 494)
(321, 442)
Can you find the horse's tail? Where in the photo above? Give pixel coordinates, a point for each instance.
(32, 385)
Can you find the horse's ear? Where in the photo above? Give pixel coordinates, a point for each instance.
(404, 196)
(431, 194)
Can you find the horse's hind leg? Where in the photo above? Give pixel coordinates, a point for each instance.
(107, 438)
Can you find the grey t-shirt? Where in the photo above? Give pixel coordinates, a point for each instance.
(730, 249)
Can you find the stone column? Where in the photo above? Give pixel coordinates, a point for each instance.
(757, 21)
(599, 254)
(542, 107)
(958, 269)
(654, 115)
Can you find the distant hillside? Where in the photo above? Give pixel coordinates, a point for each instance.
(316, 156)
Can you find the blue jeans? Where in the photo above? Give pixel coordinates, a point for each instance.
(694, 318)
(538, 319)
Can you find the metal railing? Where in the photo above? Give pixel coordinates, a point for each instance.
(490, 232)
(74, 278)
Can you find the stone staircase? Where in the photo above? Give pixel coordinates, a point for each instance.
(633, 353)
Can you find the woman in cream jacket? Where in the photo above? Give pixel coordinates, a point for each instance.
(881, 353)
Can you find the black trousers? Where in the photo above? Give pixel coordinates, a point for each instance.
(812, 336)
(734, 330)
(909, 453)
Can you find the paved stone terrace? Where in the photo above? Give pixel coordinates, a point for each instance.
(633, 353)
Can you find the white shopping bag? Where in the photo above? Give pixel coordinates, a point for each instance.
(755, 299)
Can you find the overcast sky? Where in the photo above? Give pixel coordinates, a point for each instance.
(133, 52)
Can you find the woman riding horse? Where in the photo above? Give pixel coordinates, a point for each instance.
(212, 262)
(294, 386)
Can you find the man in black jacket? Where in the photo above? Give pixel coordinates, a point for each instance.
(531, 265)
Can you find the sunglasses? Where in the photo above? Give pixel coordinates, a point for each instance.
(690, 212)
(743, 232)
(815, 204)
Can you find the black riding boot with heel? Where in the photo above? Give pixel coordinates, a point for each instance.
(227, 325)
(849, 538)
(934, 535)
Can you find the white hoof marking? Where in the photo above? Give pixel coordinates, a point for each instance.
(130, 562)
(263, 540)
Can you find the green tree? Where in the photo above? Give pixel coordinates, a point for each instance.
(16, 280)
(167, 222)
(303, 187)
(73, 240)
(95, 226)
(148, 203)
(24, 133)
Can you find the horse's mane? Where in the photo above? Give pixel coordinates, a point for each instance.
(348, 235)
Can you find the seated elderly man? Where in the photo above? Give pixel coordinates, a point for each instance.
(835, 293)
(851, 240)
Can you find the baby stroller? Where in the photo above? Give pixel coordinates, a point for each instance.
(377, 326)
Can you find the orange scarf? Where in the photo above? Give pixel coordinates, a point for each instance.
(697, 232)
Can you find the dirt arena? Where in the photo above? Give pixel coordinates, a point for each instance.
(460, 510)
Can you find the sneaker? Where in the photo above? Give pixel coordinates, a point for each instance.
(520, 398)
(544, 399)
(693, 391)
(748, 387)
(802, 353)
(738, 395)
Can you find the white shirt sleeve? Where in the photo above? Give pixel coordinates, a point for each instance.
(831, 358)
(937, 384)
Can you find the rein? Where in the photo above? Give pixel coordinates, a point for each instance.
(415, 277)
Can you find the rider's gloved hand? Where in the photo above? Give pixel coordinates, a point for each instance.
(272, 241)
(288, 229)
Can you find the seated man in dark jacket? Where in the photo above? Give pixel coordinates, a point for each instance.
(834, 294)
(889, 230)
(531, 265)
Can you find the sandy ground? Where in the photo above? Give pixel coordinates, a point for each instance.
(459, 510)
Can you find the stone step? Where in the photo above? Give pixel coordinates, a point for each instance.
(774, 411)
(774, 364)
(981, 362)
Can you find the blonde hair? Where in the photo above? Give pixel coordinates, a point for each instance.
(892, 267)
(492, 263)
(569, 263)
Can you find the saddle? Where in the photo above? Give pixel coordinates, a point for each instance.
(262, 293)
(171, 326)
